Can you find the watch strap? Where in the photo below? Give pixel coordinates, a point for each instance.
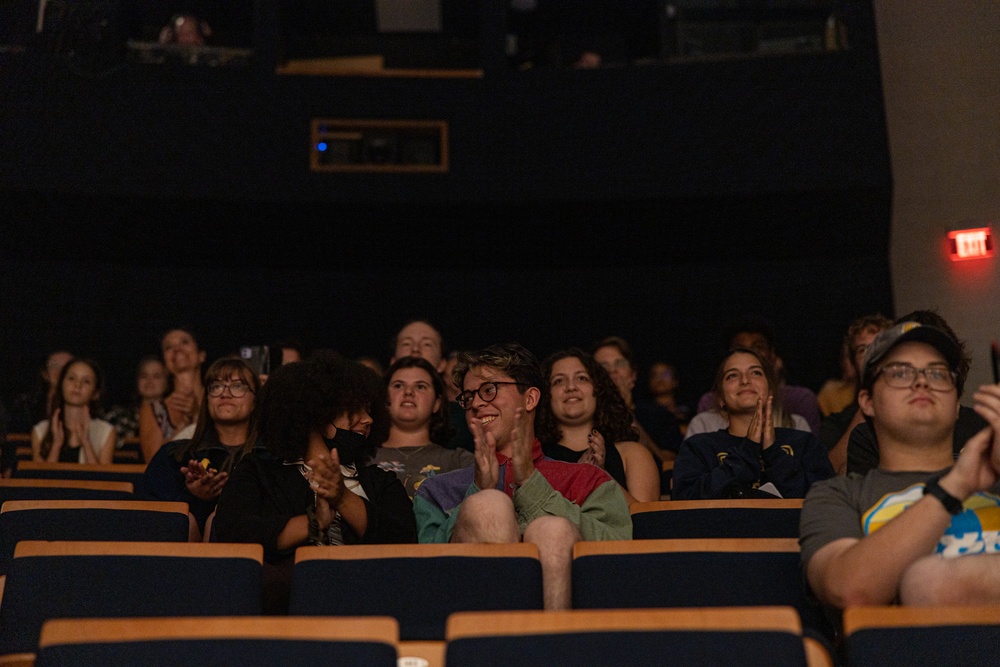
(933, 488)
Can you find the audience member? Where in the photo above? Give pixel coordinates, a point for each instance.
(35, 405)
(752, 457)
(418, 338)
(307, 478)
(452, 391)
(418, 414)
(862, 446)
(835, 429)
(917, 529)
(287, 350)
(160, 421)
(757, 334)
(659, 431)
(186, 29)
(151, 384)
(837, 393)
(71, 434)
(584, 419)
(663, 385)
(195, 470)
(513, 492)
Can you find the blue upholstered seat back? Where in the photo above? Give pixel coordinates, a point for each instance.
(419, 592)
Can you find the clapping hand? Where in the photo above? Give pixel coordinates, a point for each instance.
(762, 423)
(520, 449)
(487, 467)
(203, 482)
(987, 406)
(182, 407)
(328, 485)
(595, 452)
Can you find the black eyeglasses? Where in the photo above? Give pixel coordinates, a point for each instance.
(487, 391)
(902, 376)
(237, 389)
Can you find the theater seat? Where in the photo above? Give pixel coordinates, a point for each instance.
(120, 579)
(719, 637)
(269, 641)
(417, 584)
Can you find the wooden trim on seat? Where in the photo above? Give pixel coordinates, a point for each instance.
(112, 630)
(431, 652)
(357, 551)
(741, 503)
(124, 505)
(166, 506)
(17, 660)
(115, 548)
(507, 623)
(892, 616)
(45, 466)
(723, 544)
(94, 484)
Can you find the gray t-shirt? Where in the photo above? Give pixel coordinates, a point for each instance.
(413, 465)
(858, 505)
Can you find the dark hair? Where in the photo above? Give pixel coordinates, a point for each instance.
(780, 418)
(617, 342)
(221, 369)
(188, 330)
(148, 359)
(40, 392)
(289, 344)
(302, 397)
(612, 418)
(752, 324)
(876, 321)
(932, 318)
(511, 359)
(440, 427)
(59, 401)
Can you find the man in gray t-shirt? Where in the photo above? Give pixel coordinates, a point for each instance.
(890, 535)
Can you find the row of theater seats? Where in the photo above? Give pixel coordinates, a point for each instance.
(130, 450)
(199, 603)
(474, 639)
(419, 586)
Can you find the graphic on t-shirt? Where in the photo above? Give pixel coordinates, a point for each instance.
(976, 530)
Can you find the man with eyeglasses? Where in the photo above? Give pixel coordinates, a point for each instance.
(861, 449)
(895, 534)
(513, 492)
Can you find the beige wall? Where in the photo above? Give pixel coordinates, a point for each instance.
(941, 76)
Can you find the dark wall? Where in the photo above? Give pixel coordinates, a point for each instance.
(657, 201)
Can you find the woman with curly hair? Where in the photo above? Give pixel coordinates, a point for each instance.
(307, 476)
(582, 412)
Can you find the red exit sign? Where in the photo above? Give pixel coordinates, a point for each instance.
(971, 243)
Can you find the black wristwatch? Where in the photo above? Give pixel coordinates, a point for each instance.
(950, 502)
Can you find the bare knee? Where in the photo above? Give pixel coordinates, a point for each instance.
(554, 535)
(486, 517)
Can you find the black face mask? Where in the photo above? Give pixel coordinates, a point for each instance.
(350, 446)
